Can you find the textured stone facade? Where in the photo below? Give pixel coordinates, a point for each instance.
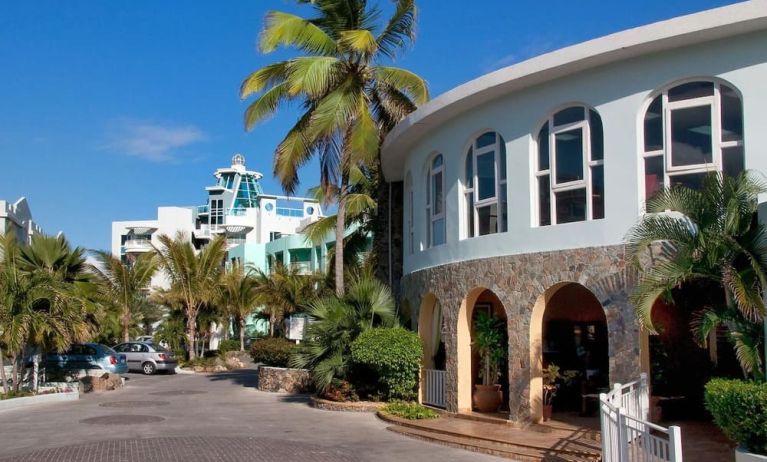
(518, 281)
(279, 379)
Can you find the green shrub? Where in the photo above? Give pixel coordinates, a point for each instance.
(393, 355)
(272, 351)
(410, 411)
(225, 346)
(341, 391)
(740, 409)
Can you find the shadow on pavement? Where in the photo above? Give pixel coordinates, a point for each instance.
(243, 377)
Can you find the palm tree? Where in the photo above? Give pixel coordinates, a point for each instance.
(193, 276)
(48, 299)
(337, 322)
(350, 100)
(239, 297)
(125, 285)
(708, 235)
(285, 290)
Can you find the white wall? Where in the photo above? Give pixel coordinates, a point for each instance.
(619, 92)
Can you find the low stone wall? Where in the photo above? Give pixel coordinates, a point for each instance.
(16, 403)
(280, 379)
(348, 406)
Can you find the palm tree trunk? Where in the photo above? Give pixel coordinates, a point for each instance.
(340, 228)
(191, 327)
(15, 372)
(126, 324)
(272, 322)
(2, 372)
(242, 334)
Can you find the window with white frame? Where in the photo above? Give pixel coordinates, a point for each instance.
(690, 130)
(484, 187)
(435, 201)
(409, 211)
(570, 167)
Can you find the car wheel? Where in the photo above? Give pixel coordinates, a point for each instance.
(148, 368)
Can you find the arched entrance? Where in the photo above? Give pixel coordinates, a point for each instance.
(568, 328)
(433, 375)
(467, 361)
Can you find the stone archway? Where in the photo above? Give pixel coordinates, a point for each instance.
(565, 302)
(430, 329)
(466, 364)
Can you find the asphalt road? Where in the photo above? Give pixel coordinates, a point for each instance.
(210, 417)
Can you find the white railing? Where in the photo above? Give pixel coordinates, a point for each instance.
(627, 434)
(433, 388)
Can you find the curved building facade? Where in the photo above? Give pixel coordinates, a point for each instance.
(520, 186)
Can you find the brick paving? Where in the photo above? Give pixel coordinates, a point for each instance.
(205, 417)
(188, 449)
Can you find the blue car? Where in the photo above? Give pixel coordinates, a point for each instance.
(85, 356)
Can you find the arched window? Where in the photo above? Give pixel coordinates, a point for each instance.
(435, 202)
(484, 187)
(410, 222)
(570, 167)
(689, 130)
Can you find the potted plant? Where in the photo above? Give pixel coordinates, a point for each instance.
(552, 379)
(739, 408)
(489, 344)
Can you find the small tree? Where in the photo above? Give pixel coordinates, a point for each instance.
(489, 343)
(239, 297)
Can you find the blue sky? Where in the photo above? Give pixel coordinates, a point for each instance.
(111, 109)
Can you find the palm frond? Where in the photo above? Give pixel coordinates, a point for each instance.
(404, 81)
(399, 30)
(284, 29)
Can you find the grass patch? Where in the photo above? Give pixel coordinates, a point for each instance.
(410, 411)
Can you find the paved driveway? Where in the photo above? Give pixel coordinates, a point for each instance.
(216, 417)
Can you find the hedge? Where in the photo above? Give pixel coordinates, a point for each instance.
(225, 346)
(739, 408)
(272, 351)
(393, 355)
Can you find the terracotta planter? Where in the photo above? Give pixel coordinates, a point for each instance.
(547, 409)
(741, 455)
(487, 398)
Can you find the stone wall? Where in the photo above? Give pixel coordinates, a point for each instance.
(518, 281)
(278, 379)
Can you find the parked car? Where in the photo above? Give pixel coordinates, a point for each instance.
(86, 356)
(147, 357)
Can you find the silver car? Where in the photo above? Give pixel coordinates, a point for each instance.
(147, 357)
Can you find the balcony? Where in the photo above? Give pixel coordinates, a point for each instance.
(302, 267)
(138, 245)
(290, 212)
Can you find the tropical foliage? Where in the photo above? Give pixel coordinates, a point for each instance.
(125, 286)
(47, 300)
(490, 344)
(337, 322)
(740, 409)
(349, 98)
(285, 290)
(709, 235)
(194, 277)
(239, 297)
(391, 359)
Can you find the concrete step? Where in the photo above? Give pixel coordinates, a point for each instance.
(505, 450)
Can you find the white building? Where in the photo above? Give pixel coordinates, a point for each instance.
(17, 218)
(520, 186)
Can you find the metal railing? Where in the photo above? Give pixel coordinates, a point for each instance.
(627, 434)
(433, 387)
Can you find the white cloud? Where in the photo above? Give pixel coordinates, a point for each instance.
(534, 46)
(150, 140)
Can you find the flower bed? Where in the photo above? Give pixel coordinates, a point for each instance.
(280, 379)
(346, 406)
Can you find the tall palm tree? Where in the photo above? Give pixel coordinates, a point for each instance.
(349, 99)
(708, 235)
(125, 285)
(193, 276)
(338, 321)
(239, 297)
(285, 290)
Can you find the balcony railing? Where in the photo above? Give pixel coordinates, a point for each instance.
(138, 245)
